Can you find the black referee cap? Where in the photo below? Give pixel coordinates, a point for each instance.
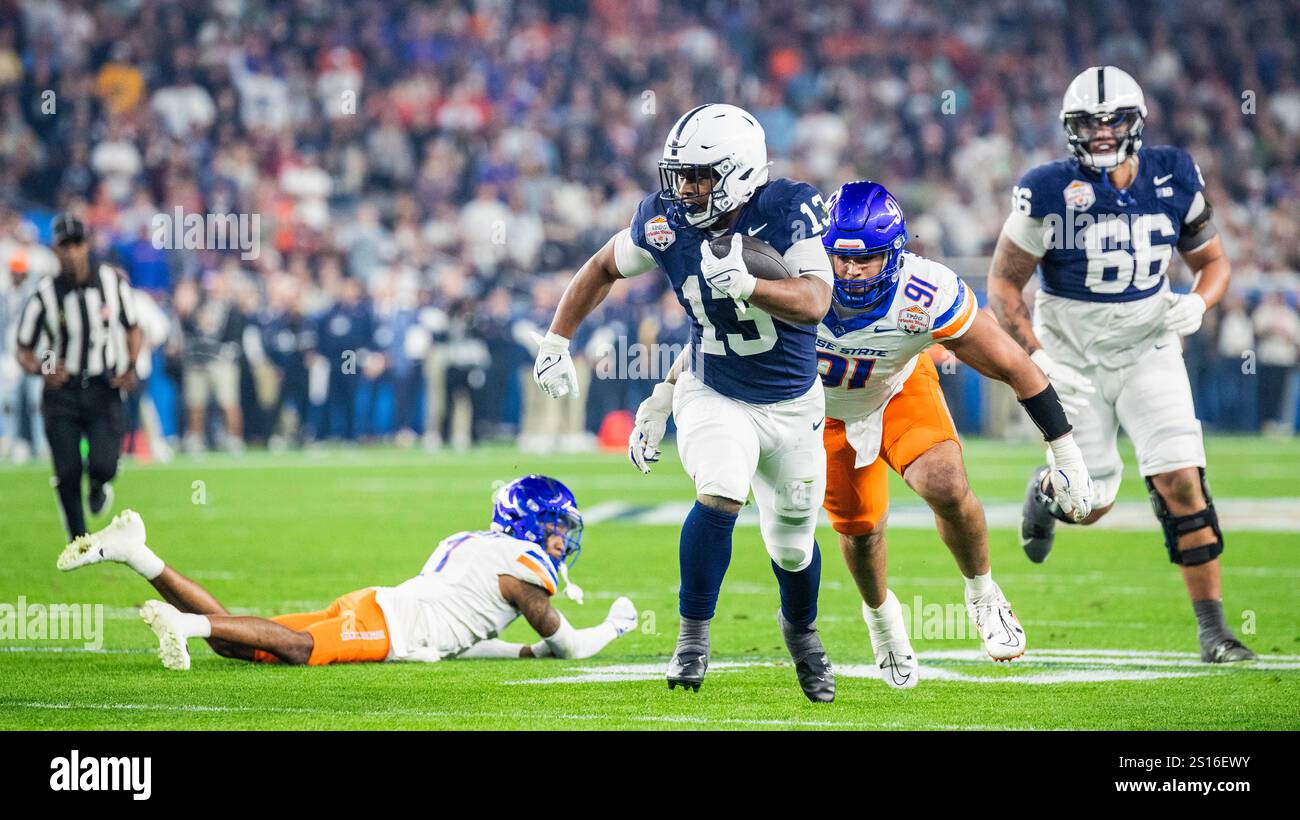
(68, 228)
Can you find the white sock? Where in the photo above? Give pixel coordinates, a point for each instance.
(980, 585)
(888, 610)
(146, 563)
(194, 626)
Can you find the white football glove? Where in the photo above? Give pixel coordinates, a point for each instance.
(1071, 385)
(651, 424)
(554, 371)
(1185, 313)
(1071, 484)
(728, 273)
(622, 615)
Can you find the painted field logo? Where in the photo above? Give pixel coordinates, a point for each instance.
(75, 773)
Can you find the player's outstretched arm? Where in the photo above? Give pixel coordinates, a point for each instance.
(554, 371)
(586, 290)
(988, 349)
(559, 639)
(652, 417)
(1011, 270)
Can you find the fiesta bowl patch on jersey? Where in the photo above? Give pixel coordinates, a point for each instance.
(1079, 195)
(913, 319)
(659, 233)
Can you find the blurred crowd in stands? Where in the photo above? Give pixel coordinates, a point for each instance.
(427, 175)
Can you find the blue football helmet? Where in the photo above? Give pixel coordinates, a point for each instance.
(865, 220)
(534, 506)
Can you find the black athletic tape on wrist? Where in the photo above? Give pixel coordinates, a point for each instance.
(1047, 414)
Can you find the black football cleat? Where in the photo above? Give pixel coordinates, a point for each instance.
(1037, 524)
(1228, 650)
(691, 657)
(100, 499)
(816, 677)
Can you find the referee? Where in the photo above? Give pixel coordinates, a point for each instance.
(78, 332)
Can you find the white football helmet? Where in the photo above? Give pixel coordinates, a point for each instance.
(718, 142)
(1104, 96)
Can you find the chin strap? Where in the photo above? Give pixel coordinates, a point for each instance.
(571, 590)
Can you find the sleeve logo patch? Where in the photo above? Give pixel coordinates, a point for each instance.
(1079, 195)
(913, 319)
(658, 233)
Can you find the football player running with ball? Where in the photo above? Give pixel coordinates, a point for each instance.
(1102, 227)
(749, 405)
(885, 411)
(473, 586)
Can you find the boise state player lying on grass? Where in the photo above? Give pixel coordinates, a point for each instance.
(472, 587)
(885, 410)
(1102, 226)
(750, 409)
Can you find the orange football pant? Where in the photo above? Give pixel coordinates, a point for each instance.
(916, 419)
(350, 630)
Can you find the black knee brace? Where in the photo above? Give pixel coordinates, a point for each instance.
(1176, 525)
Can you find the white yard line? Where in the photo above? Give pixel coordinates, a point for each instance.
(1239, 514)
(549, 717)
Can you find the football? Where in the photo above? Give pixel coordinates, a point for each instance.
(761, 259)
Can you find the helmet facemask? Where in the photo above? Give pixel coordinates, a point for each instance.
(699, 210)
(1125, 125)
(568, 525)
(860, 294)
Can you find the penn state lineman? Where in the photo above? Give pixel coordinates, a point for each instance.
(750, 407)
(1102, 226)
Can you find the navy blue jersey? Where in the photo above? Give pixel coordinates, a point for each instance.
(1106, 245)
(753, 357)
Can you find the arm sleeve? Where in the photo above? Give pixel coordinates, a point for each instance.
(1198, 226)
(568, 642)
(631, 259)
(492, 648)
(1028, 233)
(808, 258)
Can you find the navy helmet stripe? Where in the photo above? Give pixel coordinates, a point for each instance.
(681, 125)
(1101, 84)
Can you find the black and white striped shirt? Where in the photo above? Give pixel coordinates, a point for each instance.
(84, 326)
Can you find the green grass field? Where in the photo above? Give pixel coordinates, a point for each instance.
(1110, 630)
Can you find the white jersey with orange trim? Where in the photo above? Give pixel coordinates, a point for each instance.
(455, 601)
(864, 357)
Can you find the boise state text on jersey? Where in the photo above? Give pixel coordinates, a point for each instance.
(864, 357)
(1103, 244)
(753, 357)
